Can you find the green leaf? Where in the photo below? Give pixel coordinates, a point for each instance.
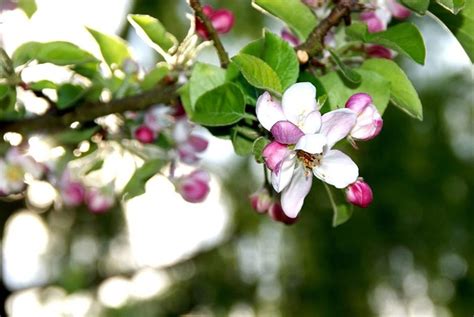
(43, 84)
(3, 91)
(461, 25)
(68, 95)
(342, 213)
(28, 6)
(73, 136)
(452, 5)
(153, 77)
(153, 32)
(114, 49)
(136, 184)
(258, 73)
(294, 13)
(402, 92)
(345, 70)
(204, 78)
(242, 143)
(58, 53)
(339, 89)
(223, 105)
(8, 102)
(257, 148)
(419, 6)
(404, 38)
(186, 99)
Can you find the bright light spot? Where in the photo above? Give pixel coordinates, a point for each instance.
(84, 146)
(32, 103)
(13, 138)
(84, 250)
(114, 292)
(39, 149)
(241, 310)
(23, 304)
(148, 283)
(57, 152)
(25, 241)
(164, 229)
(78, 305)
(41, 194)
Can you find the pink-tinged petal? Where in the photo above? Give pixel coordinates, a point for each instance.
(194, 187)
(99, 201)
(274, 153)
(286, 132)
(261, 200)
(198, 143)
(289, 37)
(298, 101)
(276, 213)
(312, 123)
(359, 194)
(337, 169)
(374, 23)
(181, 131)
(398, 11)
(187, 154)
(337, 124)
(378, 51)
(368, 125)
(222, 20)
(158, 118)
(268, 111)
(292, 197)
(282, 174)
(73, 193)
(312, 143)
(144, 134)
(358, 102)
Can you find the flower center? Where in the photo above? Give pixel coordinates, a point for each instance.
(309, 160)
(14, 173)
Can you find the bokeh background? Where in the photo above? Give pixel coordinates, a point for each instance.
(411, 253)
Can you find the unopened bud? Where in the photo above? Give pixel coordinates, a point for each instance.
(144, 134)
(369, 122)
(261, 200)
(359, 194)
(194, 187)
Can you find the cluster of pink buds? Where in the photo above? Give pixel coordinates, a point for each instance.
(222, 20)
(303, 142)
(263, 203)
(74, 193)
(15, 167)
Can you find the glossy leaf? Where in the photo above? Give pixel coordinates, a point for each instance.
(68, 95)
(419, 6)
(404, 38)
(136, 184)
(294, 13)
(223, 105)
(339, 89)
(153, 77)
(257, 148)
(43, 84)
(402, 92)
(342, 213)
(153, 32)
(204, 77)
(114, 50)
(345, 70)
(257, 72)
(28, 6)
(58, 53)
(242, 144)
(452, 5)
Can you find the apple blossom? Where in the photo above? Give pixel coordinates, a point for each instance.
(369, 121)
(188, 145)
(298, 123)
(378, 19)
(193, 187)
(261, 200)
(222, 20)
(13, 169)
(359, 193)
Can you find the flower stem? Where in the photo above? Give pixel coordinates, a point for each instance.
(331, 197)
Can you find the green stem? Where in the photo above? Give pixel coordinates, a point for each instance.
(331, 197)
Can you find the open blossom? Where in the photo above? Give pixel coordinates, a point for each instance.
(303, 144)
(359, 194)
(100, 199)
(194, 187)
(369, 121)
(13, 169)
(222, 20)
(188, 144)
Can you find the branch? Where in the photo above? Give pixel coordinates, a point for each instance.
(89, 111)
(221, 52)
(315, 41)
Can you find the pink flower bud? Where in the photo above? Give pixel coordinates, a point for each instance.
(99, 200)
(378, 51)
(194, 187)
(374, 23)
(261, 200)
(359, 194)
(397, 10)
(72, 193)
(289, 37)
(369, 122)
(222, 20)
(144, 134)
(276, 213)
(199, 144)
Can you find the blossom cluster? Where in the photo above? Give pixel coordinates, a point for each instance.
(303, 145)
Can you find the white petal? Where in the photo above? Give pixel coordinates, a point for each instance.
(312, 143)
(292, 197)
(282, 175)
(312, 123)
(298, 101)
(337, 169)
(337, 124)
(268, 111)
(181, 131)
